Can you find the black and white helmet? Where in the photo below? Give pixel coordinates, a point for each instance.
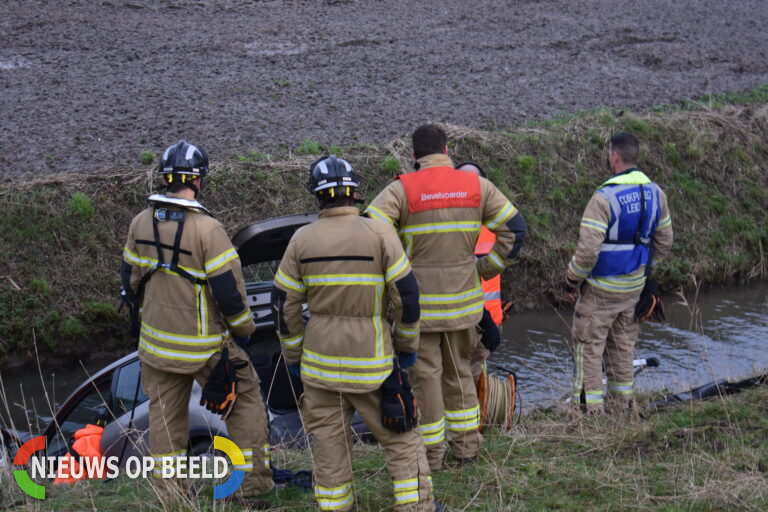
(184, 158)
(330, 173)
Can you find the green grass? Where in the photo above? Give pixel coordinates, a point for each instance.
(146, 157)
(61, 237)
(698, 456)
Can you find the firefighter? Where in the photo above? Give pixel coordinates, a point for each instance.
(348, 268)
(179, 266)
(491, 287)
(619, 235)
(438, 212)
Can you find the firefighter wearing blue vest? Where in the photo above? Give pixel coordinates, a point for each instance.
(625, 225)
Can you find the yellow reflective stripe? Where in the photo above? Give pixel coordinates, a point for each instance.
(402, 498)
(439, 298)
(179, 453)
(289, 282)
(578, 270)
(242, 319)
(220, 260)
(360, 362)
(396, 268)
(618, 284)
(433, 433)
(337, 376)
(244, 467)
(496, 260)
(507, 212)
(666, 221)
(633, 178)
(333, 498)
(293, 341)
(440, 227)
(343, 279)
(130, 256)
(182, 339)
(406, 485)
(593, 397)
(452, 313)
(146, 261)
(378, 214)
(175, 354)
(406, 333)
(462, 413)
(594, 224)
(267, 456)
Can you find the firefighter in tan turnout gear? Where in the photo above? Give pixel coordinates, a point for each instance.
(179, 266)
(348, 268)
(438, 212)
(619, 235)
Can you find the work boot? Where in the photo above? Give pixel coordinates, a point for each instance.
(439, 507)
(466, 461)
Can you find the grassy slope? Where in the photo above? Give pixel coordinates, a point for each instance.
(699, 456)
(61, 236)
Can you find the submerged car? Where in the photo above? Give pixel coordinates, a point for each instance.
(117, 387)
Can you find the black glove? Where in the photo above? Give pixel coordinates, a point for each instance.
(490, 337)
(220, 391)
(399, 410)
(649, 306)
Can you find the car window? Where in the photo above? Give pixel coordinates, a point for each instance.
(125, 389)
(84, 411)
(260, 272)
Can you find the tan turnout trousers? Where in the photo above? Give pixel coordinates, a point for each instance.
(328, 417)
(247, 426)
(443, 386)
(604, 331)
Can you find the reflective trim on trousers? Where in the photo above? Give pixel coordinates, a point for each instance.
(406, 491)
(463, 420)
(594, 397)
(433, 433)
(620, 388)
(333, 498)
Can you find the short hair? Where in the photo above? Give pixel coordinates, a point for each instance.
(627, 146)
(428, 139)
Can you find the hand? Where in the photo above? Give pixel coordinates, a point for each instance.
(569, 291)
(294, 370)
(406, 360)
(490, 337)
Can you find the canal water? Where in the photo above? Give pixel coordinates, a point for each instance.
(717, 334)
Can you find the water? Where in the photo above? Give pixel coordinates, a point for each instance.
(722, 333)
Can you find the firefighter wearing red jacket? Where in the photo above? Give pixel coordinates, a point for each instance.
(438, 212)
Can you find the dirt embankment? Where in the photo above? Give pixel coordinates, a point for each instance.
(88, 85)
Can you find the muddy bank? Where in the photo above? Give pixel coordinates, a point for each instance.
(89, 85)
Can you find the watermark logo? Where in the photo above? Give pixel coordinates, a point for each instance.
(135, 467)
(20, 475)
(235, 479)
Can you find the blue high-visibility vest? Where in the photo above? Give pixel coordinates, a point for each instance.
(623, 252)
